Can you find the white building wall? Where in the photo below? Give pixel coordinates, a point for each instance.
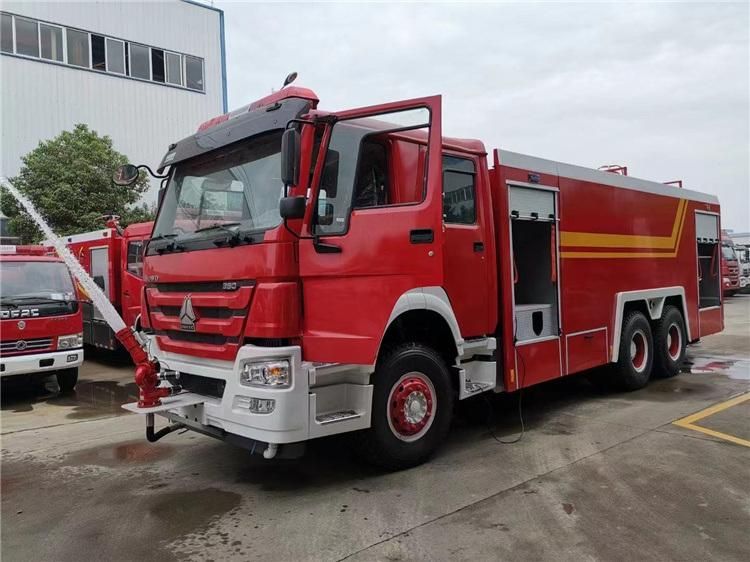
(40, 99)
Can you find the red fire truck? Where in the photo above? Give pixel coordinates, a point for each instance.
(113, 257)
(314, 273)
(730, 267)
(40, 317)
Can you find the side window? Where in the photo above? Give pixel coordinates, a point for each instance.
(459, 194)
(135, 258)
(356, 168)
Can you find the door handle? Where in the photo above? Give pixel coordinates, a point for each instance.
(479, 246)
(422, 236)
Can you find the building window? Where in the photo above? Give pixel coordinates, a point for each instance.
(194, 73)
(6, 33)
(139, 64)
(98, 61)
(174, 69)
(51, 40)
(157, 65)
(115, 56)
(75, 47)
(78, 47)
(27, 37)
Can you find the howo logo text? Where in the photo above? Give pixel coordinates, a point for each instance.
(188, 317)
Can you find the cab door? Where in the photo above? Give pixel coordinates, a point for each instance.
(468, 248)
(374, 230)
(132, 279)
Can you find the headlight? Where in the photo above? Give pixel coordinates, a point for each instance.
(69, 342)
(276, 374)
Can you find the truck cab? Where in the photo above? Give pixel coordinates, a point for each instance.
(40, 316)
(730, 268)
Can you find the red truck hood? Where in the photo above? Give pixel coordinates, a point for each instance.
(38, 334)
(198, 303)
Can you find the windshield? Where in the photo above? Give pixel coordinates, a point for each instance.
(237, 188)
(30, 281)
(728, 253)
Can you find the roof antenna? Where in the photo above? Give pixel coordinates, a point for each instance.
(289, 79)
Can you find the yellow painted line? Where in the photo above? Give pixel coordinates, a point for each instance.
(596, 240)
(603, 255)
(689, 421)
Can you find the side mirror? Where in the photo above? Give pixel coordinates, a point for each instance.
(292, 207)
(125, 174)
(290, 155)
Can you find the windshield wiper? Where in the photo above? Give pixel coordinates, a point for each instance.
(233, 236)
(36, 298)
(163, 237)
(8, 301)
(219, 226)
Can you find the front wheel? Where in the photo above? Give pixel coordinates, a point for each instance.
(67, 379)
(412, 406)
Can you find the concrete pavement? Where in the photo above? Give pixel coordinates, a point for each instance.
(595, 476)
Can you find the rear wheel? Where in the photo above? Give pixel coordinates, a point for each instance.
(67, 379)
(636, 357)
(412, 406)
(670, 343)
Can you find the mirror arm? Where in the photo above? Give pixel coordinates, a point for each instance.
(151, 172)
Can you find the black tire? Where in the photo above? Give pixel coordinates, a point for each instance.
(388, 442)
(670, 343)
(67, 379)
(636, 358)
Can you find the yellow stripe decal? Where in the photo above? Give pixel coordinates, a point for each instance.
(627, 241)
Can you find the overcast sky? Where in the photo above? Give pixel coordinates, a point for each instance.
(661, 88)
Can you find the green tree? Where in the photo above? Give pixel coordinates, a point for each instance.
(69, 180)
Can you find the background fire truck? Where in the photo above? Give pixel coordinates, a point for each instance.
(730, 267)
(378, 272)
(113, 257)
(40, 316)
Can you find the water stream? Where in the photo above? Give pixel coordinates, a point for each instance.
(98, 297)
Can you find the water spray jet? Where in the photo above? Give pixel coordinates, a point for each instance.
(146, 369)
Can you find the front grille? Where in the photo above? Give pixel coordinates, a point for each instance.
(204, 386)
(34, 344)
(197, 337)
(202, 287)
(203, 311)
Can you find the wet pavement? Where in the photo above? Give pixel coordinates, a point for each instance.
(596, 476)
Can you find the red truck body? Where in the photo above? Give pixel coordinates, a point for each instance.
(40, 316)
(411, 274)
(113, 257)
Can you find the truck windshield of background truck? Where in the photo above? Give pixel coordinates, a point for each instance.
(728, 253)
(235, 189)
(23, 282)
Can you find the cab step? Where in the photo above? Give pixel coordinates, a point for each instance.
(334, 417)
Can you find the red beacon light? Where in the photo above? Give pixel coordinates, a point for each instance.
(275, 97)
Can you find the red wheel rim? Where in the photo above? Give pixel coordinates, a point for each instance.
(639, 351)
(411, 406)
(674, 342)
